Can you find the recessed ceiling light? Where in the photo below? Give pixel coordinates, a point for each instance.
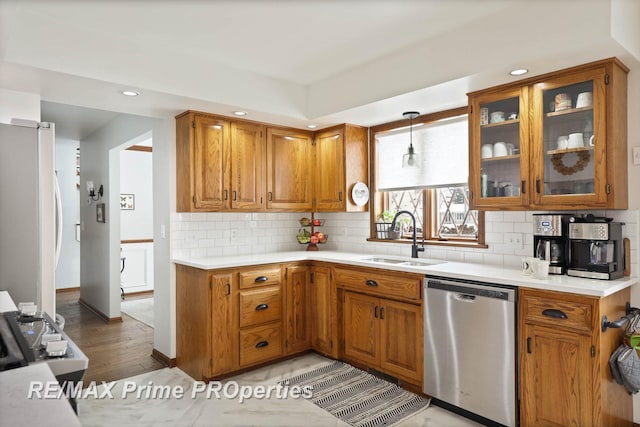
(519, 72)
(240, 113)
(312, 126)
(130, 93)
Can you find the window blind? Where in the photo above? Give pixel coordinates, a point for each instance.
(444, 152)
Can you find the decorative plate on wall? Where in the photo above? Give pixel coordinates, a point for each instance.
(360, 193)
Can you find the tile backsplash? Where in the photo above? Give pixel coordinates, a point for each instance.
(508, 235)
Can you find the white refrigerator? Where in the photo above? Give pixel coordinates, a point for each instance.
(29, 213)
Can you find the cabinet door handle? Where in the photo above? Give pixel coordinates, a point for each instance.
(371, 283)
(375, 312)
(262, 344)
(340, 195)
(270, 196)
(554, 313)
(261, 279)
(226, 194)
(260, 307)
(538, 185)
(381, 313)
(235, 195)
(529, 345)
(523, 186)
(228, 288)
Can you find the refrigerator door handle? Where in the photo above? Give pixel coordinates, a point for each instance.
(58, 218)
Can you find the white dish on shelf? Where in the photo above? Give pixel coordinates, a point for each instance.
(360, 193)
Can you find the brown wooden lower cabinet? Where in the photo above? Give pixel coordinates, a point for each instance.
(298, 322)
(321, 310)
(565, 378)
(384, 334)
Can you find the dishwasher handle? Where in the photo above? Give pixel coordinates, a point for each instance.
(465, 297)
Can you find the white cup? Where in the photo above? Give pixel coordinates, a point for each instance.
(585, 99)
(497, 117)
(486, 151)
(576, 140)
(510, 148)
(592, 141)
(540, 268)
(500, 149)
(563, 142)
(527, 265)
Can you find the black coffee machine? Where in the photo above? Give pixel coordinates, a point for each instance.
(550, 240)
(596, 248)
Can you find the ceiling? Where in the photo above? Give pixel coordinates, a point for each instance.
(286, 61)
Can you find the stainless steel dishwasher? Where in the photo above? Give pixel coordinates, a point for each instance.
(470, 348)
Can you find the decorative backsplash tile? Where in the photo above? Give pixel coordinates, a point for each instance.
(227, 234)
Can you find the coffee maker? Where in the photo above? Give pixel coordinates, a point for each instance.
(596, 249)
(550, 240)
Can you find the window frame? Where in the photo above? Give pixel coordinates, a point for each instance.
(429, 205)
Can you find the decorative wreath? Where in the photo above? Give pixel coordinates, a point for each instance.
(558, 164)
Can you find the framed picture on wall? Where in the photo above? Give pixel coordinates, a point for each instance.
(100, 214)
(127, 202)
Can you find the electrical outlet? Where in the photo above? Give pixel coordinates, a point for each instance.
(233, 234)
(636, 155)
(516, 239)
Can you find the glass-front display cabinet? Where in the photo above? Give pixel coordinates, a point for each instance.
(498, 150)
(570, 139)
(557, 141)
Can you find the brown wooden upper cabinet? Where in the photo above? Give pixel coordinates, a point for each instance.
(289, 169)
(341, 161)
(227, 164)
(557, 141)
(220, 164)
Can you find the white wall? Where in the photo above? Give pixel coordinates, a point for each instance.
(68, 271)
(136, 177)
(100, 264)
(18, 105)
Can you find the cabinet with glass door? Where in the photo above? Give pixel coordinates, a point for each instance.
(498, 148)
(570, 139)
(566, 145)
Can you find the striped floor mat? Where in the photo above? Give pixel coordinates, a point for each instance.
(357, 397)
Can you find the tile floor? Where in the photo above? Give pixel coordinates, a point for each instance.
(203, 411)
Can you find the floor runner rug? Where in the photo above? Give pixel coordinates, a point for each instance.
(139, 309)
(357, 397)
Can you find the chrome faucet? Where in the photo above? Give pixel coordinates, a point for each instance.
(414, 247)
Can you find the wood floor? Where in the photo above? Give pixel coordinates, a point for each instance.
(115, 351)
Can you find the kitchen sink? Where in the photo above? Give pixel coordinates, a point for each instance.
(421, 263)
(385, 260)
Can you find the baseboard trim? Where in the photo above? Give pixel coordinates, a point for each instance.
(137, 294)
(63, 290)
(99, 313)
(163, 358)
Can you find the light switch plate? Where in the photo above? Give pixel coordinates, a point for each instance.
(636, 155)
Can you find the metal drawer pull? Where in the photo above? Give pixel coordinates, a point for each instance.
(261, 279)
(556, 314)
(375, 312)
(381, 313)
(261, 307)
(371, 283)
(262, 344)
(529, 345)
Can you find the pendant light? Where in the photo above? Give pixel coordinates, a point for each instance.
(411, 159)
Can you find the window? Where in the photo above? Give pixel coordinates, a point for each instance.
(436, 193)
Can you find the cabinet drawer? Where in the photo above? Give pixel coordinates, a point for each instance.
(260, 305)
(260, 343)
(577, 315)
(260, 277)
(379, 283)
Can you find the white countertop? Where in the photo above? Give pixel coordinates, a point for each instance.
(457, 270)
(18, 410)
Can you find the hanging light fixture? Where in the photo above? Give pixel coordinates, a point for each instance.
(411, 159)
